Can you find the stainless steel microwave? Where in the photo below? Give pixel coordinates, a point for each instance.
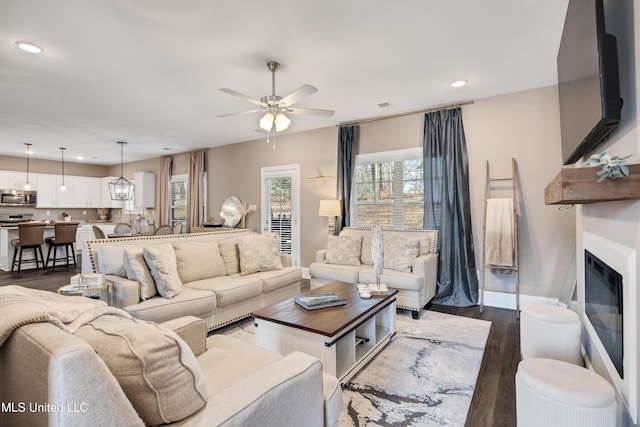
(18, 198)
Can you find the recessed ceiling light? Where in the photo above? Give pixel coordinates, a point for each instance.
(80, 157)
(458, 83)
(29, 47)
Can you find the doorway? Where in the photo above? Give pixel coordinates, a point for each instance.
(281, 207)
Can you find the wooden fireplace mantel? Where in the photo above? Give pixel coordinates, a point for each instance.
(579, 186)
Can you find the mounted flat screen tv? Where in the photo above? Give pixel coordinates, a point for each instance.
(588, 81)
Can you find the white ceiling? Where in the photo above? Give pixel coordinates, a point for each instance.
(148, 71)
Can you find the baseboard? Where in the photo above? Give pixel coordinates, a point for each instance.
(503, 300)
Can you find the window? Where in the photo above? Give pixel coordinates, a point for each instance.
(178, 200)
(388, 188)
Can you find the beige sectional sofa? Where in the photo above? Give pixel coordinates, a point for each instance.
(218, 277)
(410, 263)
(55, 378)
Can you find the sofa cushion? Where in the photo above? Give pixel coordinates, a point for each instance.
(189, 302)
(394, 279)
(259, 252)
(272, 280)
(344, 273)
(162, 263)
(228, 360)
(230, 289)
(138, 270)
(198, 260)
(229, 252)
(344, 250)
(111, 261)
(155, 368)
(400, 251)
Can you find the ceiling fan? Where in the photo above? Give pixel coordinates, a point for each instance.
(275, 106)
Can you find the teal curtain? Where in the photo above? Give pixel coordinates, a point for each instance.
(347, 149)
(447, 207)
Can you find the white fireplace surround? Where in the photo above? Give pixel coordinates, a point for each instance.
(622, 259)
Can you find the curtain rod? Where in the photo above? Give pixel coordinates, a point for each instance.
(407, 113)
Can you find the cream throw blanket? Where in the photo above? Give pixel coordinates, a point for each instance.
(20, 306)
(498, 244)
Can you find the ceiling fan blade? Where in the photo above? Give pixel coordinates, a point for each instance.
(310, 111)
(297, 95)
(243, 96)
(240, 113)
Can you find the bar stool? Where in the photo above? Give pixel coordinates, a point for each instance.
(65, 235)
(30, 236)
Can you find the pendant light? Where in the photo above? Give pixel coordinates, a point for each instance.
(121, 188)
(62, 186)
(27, 185)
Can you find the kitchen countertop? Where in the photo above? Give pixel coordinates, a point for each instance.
(15, 226)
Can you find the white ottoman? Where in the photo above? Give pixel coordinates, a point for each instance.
(554, 393)
(552, 332)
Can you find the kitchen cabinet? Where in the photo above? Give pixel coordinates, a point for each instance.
(87, 192)
(49, 193)
(14, 180)
(145, 190)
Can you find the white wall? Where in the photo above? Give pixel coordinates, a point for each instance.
(616, 221)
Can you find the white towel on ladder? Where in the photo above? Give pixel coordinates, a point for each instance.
(499, 236)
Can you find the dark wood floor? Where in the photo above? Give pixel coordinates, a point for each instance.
(493, 402)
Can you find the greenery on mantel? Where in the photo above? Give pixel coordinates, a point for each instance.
(613, 167)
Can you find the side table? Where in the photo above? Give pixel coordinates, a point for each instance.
(102, 291)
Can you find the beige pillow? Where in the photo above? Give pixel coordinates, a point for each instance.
(400, 251)
(365, 252)
(229, 252)
(110, 260)
(198, 260)
(344, 249)
(155, 368)
(162, 263)
(138, 270)
(259, 252)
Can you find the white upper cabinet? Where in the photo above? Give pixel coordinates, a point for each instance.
(87, 192)
(145, 191)
(14, 180)
(49, 193)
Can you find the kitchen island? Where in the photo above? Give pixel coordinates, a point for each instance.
(8, 233)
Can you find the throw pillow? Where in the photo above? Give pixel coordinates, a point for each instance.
(162, 263)
(138, 270)
(229, 252)
(365, 252)
(344, 249)
(259, 252)
(110, 260)
(198, 260)
(155, 368)
(400, 251)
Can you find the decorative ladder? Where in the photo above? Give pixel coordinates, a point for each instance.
(514, 186)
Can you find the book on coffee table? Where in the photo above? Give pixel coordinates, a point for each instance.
(317, 301)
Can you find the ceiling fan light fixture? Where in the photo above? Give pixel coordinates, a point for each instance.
(282, 122)
(266, 122)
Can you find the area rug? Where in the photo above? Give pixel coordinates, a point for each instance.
(424, 377)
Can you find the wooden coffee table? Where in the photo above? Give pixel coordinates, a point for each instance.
(344, 338)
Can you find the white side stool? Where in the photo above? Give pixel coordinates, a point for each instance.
(554, 393)
(552, 332)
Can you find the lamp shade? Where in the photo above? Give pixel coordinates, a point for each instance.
(282, 122)
(329, 208)
(266, 122)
